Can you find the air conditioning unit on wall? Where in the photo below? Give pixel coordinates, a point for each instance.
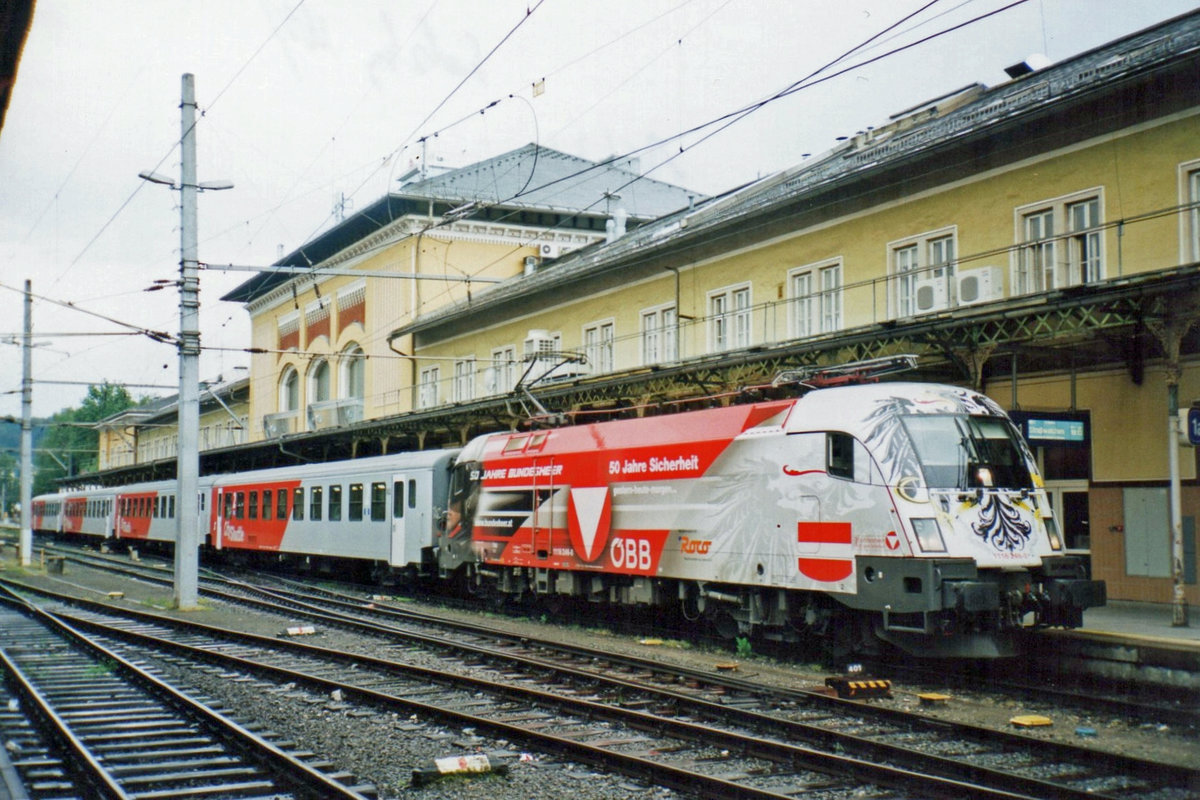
(931, 295)
(979, 285)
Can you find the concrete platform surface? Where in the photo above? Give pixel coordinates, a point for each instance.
(1151, 620)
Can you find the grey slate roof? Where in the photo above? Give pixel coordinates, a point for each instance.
(971, 113)
(575, 192)
(540, 177)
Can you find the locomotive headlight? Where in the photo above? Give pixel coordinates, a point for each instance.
(929, 535)
(1052, 533)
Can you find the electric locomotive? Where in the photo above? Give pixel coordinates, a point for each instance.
(901, 512)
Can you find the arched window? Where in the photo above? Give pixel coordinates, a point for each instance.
(289, 390)
(319, 381)
(353, 371)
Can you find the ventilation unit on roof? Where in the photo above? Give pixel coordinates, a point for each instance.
(549, 250)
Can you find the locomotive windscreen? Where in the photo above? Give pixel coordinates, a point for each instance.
(961, 452)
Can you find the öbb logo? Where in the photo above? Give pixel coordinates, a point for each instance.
(699, 546)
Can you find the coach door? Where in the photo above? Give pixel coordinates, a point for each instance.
(218, 515)
(412, 499)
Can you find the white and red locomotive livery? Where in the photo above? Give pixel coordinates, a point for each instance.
(908, 512)
(904, 512)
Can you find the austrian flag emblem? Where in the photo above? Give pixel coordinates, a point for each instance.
(826, 550)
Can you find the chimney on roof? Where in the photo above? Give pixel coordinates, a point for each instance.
(615, 227)
(1031, 63)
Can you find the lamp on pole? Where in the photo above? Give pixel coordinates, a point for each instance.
(187, 507)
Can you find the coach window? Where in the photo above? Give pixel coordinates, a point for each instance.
(171, 506)
(378, 500)
(281, 509)
(398, 499)
(228, 514)
(253, 505)
(354, 512)
(298, 503)
(268, 497)
(335, 503)
(316, 496)
(239, 505)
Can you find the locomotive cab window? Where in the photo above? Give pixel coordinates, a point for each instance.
(839, 451)
(961, 452)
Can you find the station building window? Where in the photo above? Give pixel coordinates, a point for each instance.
(501, 376)
(427, 390)
(598, 345)
(729, 318)
(816, 298)
(659, 335)
(1060, 243)
(921, 272)
(1189, 218)
(462, 388)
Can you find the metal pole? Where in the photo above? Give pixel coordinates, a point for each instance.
(1179, 609)
(187, 540)
(25, 540)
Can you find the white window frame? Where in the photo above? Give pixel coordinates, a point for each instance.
(501, 376)
(598, 345)
(1189, 218)
(462, 388)
(1056, 253)
(659, 335)
(290, 376)
(315, 395)
(427, 389)
(815, 298)
(730, 318)
(916, 260)
(353, 362)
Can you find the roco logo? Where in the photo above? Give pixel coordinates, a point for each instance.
(700, 546)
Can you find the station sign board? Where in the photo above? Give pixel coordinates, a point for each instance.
(1043, 428)
(1189, 426)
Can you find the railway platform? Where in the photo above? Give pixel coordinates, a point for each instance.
(1129, 642)
(1145, 620)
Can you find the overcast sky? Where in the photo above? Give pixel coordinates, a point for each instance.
(309, 101)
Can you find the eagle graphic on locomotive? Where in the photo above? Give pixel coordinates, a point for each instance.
(905, 513)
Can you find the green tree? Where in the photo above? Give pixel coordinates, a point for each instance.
(71, 442)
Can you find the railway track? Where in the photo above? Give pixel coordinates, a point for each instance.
(787, 728)
(1157, 706)
(95, 724)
